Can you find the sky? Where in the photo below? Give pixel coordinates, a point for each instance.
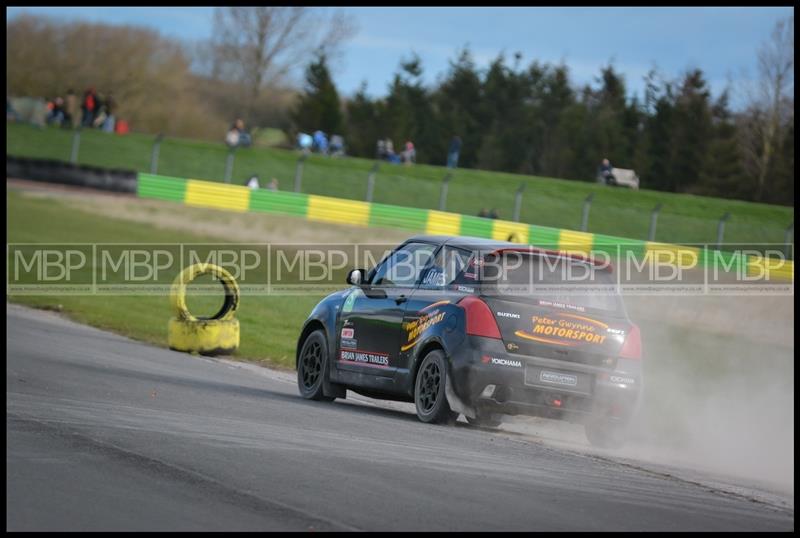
(720, 41)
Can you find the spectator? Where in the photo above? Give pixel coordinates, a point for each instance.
(607, 173)
(391, 156)
(110, 106)
(484, 213)
(493, 214)
(320, 142)
(237, 135)
(453, 151)
(337, 146)
(304, 142)
(252, 183)
(100, 114)
(71, 108)
(380, 149)
(89, 107)
(55, 115)
(409, 154)
(273, 184)
(232, 137)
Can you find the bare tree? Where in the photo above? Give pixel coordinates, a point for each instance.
(258, 46)
(771, 106)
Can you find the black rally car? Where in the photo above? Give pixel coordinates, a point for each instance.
(482, 328)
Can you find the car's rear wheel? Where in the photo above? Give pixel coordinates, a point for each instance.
(486, 420)
(604, 433)
(429, 390)
(312, 367)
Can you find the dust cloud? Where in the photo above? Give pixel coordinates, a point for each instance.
(719, 391)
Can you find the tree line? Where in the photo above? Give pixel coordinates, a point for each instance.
(533, 120)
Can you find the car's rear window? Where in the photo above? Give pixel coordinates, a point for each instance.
(550, 278)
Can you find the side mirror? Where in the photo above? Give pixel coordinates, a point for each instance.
(355, 277)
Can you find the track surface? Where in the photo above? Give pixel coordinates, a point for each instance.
(107, 433)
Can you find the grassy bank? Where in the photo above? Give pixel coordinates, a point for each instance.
(546, 201)
(269, 325)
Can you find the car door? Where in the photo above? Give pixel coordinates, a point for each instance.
(370, 327)
(430, 305)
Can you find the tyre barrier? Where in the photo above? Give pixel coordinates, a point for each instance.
(52, 171)
(216, 335)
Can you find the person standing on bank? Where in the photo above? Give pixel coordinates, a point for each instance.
(453, 151)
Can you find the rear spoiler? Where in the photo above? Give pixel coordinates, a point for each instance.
(606, 266)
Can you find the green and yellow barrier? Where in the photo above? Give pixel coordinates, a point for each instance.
(341, 211)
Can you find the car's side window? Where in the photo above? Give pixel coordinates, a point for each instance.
(403, 267)
(448, 264)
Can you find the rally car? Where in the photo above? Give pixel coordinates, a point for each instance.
(483, 328)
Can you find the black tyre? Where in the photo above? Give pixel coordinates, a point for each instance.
(606, 434)
(312, 366)
(485, 420)
(429, 390)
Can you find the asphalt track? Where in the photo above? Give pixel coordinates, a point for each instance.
(104, 433)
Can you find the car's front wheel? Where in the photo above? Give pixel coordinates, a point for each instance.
(429, 390)
(311, 367)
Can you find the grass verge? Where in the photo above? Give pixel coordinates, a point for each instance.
(269, 325)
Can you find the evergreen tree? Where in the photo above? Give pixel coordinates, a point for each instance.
(505, 144)
(408, 114)
(534, 121)
(319, 106)
(363, 123)
(722, 173)
(457, 101)
(692, 131)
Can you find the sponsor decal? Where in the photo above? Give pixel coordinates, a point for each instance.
(416, 328)
(558, 378)
(350, 300)
(508, 315)
(471, 272)
(434, 278)
(434, 305)
(365, 358)
(565, 306)
(349, 343)
(511, 346)
(348, 332)
(486, 359)
(619, 379)
(565, 330)
(465, 289)
(615, 331)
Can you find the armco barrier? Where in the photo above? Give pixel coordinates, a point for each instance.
(337, 210)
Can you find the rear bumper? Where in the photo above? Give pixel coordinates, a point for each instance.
(486, 377)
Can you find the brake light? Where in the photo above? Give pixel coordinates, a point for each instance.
(480, 321)
(632, 348)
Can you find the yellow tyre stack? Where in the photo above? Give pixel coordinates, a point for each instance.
(216, 335)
